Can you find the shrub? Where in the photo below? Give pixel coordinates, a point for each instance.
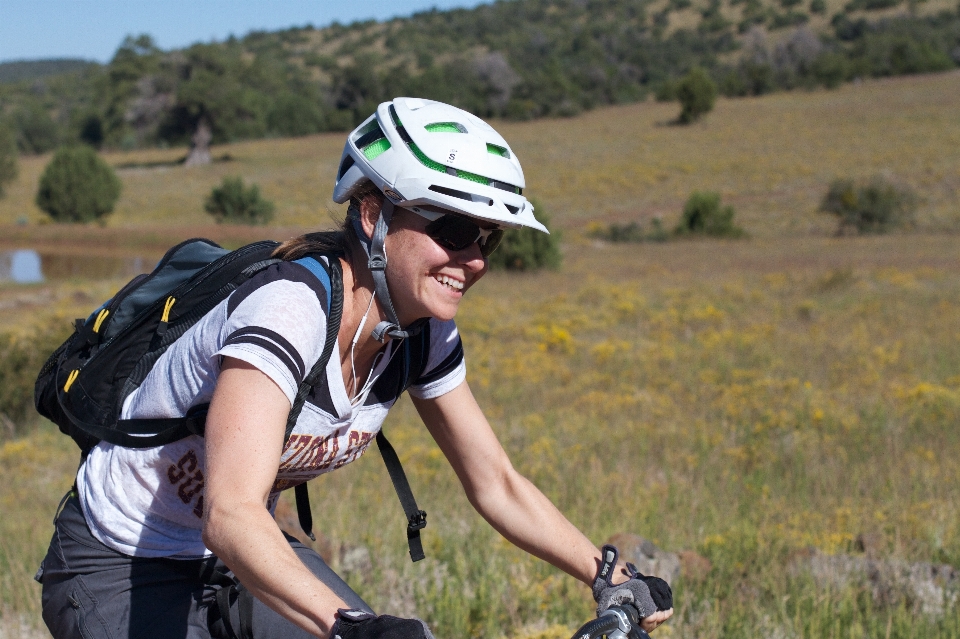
(8, 159)
(77, 186)
(876, 205)
(21, 357)
(528, 249)
(697, 93)
(629, 232)
(234, 203)
(703, 215)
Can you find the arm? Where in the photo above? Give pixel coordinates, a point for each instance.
(244, 441)
(506, 499)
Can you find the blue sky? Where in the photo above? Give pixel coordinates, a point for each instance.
(92, 29)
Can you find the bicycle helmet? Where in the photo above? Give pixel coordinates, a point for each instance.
(425, 155)
(421, 152)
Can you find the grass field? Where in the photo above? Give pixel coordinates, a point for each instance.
(744, 399)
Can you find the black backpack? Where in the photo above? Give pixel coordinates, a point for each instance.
(84, 383)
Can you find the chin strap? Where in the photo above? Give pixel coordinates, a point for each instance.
(377, 263)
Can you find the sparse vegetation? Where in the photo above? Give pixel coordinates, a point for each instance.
(876, 205)
(631, 232)
(234, 203)
(78, 186)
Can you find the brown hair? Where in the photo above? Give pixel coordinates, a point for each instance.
(341, 241)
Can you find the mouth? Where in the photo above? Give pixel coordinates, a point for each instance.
(449, 282)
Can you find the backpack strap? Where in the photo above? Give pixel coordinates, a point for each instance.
(332, 281)
(416, 518)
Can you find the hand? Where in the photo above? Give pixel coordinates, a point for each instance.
(358, 624)
(651, 623)
(649, 595)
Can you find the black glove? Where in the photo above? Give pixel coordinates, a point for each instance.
(646, 594)
(359, 624)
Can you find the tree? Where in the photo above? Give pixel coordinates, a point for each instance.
(78, 186)
(697, 93)
(8, 159)
(234, 203)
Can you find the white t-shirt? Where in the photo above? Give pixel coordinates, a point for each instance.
(149, 502)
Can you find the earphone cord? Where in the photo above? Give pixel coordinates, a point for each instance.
(356, 338)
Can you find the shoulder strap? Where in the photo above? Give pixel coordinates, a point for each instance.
(332, 281)
(416, 518)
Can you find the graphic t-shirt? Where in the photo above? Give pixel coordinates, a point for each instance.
(149, 502)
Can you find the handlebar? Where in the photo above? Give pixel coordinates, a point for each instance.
(616, 622)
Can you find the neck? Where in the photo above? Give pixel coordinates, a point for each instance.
(358, 291)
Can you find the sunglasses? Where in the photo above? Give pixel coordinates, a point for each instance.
(456, 232)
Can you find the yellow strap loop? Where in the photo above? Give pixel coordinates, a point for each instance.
(70, 380)
(102, 315)
(166, 309)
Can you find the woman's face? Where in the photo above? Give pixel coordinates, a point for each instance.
(425, 279)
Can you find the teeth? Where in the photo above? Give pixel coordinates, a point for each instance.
(447, 281)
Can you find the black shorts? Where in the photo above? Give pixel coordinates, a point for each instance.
(93, 592)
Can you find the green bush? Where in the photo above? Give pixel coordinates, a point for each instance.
(21, 356)
(703, 215)
(78, 186)
(234, 203)
(527, 249)
(8, 159)
(697, 93)
(876, 205)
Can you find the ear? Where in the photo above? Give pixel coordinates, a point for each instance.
(370, 212)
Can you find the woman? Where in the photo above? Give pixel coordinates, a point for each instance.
(156, 540)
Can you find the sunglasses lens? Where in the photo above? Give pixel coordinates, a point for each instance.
(491, 243)
(453, 232)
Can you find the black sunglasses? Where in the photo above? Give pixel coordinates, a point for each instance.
(455, 233)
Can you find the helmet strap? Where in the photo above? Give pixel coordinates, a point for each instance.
(377, 263)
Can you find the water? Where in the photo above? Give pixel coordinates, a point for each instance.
(28, 266)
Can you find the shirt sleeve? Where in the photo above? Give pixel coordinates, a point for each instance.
(445, 368)
(277, 325)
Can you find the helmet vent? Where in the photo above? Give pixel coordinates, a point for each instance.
(345, 166)
(512, 209)
(373, 143)
(498, 150)
(462, 195)
(446, 127)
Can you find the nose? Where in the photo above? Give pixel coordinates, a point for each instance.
(471, 258)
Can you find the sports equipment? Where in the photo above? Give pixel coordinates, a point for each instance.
(646, 594)
(359, 624)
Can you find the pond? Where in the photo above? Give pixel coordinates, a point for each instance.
(28, 266)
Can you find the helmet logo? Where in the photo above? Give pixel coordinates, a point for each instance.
(452, 156)
(393, 195)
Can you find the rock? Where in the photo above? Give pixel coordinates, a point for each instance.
(646, 556)
(922, 587)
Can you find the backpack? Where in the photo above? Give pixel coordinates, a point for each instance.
(83, 384)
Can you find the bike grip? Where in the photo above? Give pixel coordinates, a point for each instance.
(597, 627)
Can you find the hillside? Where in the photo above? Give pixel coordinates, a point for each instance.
(517, 59)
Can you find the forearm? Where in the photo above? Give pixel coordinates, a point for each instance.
(246, 538)
(517, 509)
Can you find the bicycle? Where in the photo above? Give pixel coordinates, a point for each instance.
(616, 622)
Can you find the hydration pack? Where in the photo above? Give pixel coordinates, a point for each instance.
(83, 384)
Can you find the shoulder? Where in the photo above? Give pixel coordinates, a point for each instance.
(285, 283)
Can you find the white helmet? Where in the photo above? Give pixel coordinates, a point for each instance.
(425, 153)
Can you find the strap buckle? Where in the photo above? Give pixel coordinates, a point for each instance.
(377, 263)
(417, 521)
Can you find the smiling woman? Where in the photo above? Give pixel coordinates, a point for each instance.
(180, 541)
